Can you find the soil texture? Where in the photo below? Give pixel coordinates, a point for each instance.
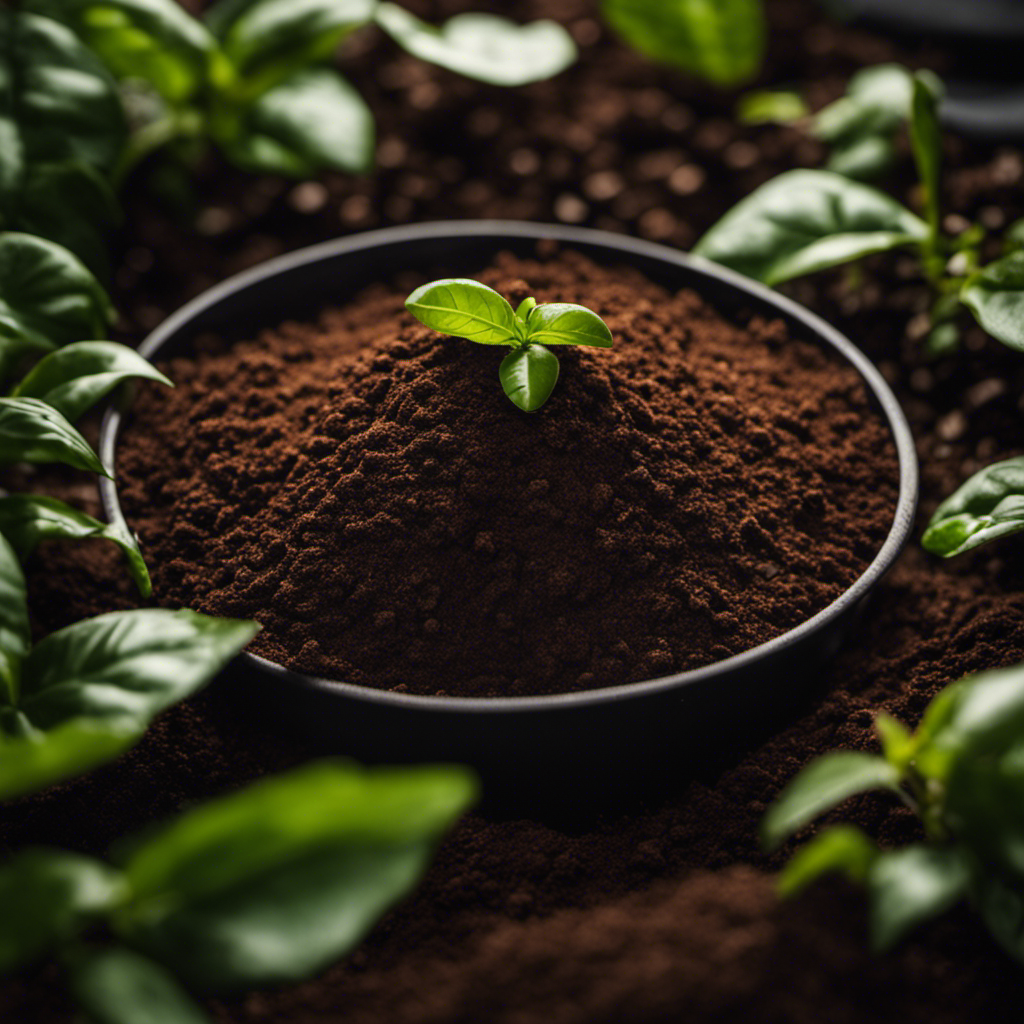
(662, 911)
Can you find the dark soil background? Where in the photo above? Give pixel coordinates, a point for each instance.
(662, 911)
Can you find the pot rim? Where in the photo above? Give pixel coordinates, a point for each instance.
(899, 532)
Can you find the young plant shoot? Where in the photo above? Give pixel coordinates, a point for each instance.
(804, 221)
(464, 308)
(962, 773)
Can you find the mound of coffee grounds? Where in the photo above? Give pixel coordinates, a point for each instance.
(364, 489)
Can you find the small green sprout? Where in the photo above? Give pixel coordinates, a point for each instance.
(464, 308)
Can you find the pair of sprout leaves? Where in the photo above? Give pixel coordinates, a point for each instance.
(468, 309)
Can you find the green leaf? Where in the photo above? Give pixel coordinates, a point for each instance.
(75, 378)
(767, 106)
(1013, 236)
(722, 41)
(275, 882)
(126, 667)
(48, 896)
(466, 309)
(313, 120)
(484, 46)
(877, 101)
(898, 745)
(529, 375)
(989, 505)
(27, 519)
(863, 158)
(47, 296)
(1001, 906)
(269, 40)
(563, 323)
(995, 295)
(824, 783)
(803, 221)
(985, 714)
(842, 848)
(155, 41)
(32, 431)
(15, 634)
(68, 203)
(57, 101)
(118, 986)
(31, 760)
(910, 885)
(926, 140)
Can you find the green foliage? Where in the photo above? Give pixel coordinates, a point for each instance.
(61, 129)
(86, 693)
(483, 46)
(254, 77)
(995, 295)
(468, 309)
(32, 431)
(805, 221)
(269, 884)
(962, 772)
(771, 107)
(988, 506)
(722, 41)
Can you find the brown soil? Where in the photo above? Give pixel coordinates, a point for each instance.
(663, 911)
(365, 491)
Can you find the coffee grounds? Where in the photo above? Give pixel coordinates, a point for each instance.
(364, 489)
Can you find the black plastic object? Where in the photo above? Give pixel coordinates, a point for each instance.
(985, 84)
(582, 738)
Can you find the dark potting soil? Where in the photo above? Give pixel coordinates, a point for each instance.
(662, 911)
(363, 489)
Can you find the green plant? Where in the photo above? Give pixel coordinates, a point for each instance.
(722, 41)
(87, 693)
(962, 773)
(267, 885)
(253, 76)
(805, 221)
(467, 309)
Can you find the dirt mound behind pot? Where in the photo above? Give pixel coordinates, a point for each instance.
(364, 489)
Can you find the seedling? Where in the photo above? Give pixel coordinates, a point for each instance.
(804, 221)
(464, 308)
(265, 886)
(255, 77)
(962, 773)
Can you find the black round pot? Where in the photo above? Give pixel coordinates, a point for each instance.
(693, 717)
(985, 89)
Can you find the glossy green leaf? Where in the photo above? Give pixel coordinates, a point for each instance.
(822, 785)
(31, 760)
(926, 140)
(863, 158)
(47, 897)
(15, 634)
(898, 744)
(986, 713)
(771, 107)
(155, 41)
(466, 309)
(269, 40)
(75, 378)
(57, 101)
(564, 323)
(877, 101)
(47, 296)
(277, 881)
(988, 506)
(27, 519)
(118, 986)
(910, 885)
(804, 221)
(69, 203)
(841, 849)
(32, 431)
(126, 667)
(483, 46)
(995, 295)
(529, 375)
(720, 40)
(311, 121)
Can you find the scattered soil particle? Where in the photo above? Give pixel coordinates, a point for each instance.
(365, 491)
